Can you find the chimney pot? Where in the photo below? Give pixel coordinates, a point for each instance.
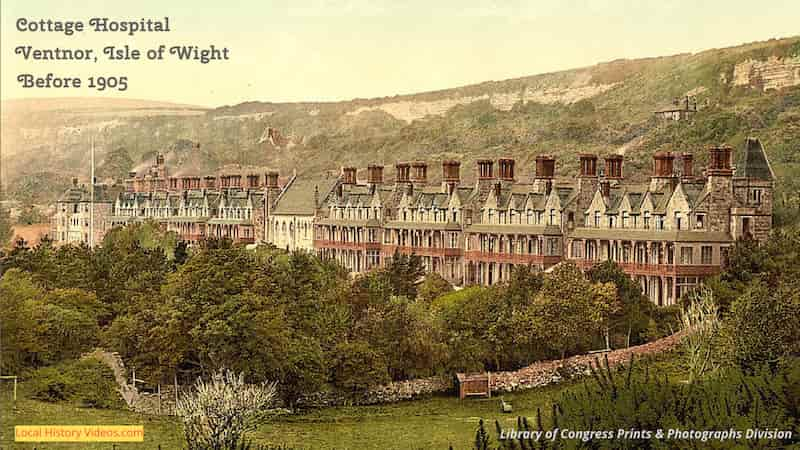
(614, 167)
(506, 167)
(688, 165)
(374, 174)
(402, 173)
(485, 169)
(545, 166)
(349, 175)
(662, 164)
(420, 172)
(720, 163)
(588, 165)
(272, 179)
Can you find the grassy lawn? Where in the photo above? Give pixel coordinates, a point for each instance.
(432, 423)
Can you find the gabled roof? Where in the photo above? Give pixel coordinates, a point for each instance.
(298, 197)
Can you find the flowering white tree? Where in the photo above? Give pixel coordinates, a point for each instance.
(218, 413)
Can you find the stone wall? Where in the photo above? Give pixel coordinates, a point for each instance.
(549, 372)
(538, 374)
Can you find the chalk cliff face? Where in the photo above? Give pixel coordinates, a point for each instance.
(410, 110)
(772, 73)
(751, 89)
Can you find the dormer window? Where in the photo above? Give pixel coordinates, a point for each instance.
(678, 220)
(647, 219)
(700, 221)
(624, 219)
(597, 219)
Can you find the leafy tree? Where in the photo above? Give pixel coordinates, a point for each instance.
(356, 366)
(569, 309)
(404, 271)
(762, 326)
(635, 311)
(87, 382)
(44, 327)
(30, 215)
(6, 231)
(434, 285)
(116, 164)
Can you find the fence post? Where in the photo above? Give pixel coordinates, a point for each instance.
(176, 393)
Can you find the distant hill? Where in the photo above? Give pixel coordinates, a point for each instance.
(752, 89)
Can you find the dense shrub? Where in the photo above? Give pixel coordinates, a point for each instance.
(87, 382)
(631, 398)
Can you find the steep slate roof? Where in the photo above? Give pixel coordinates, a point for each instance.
(754, 163)
(102, 194)
(298, 197)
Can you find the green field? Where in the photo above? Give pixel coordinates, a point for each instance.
(432, 423)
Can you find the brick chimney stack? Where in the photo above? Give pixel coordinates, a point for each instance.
(485, 169)
(419, 172)
(720, 161)
(186, 183)
(349, 175)
(402, 173)
(485, 176)
(236, 181)
(588, 165)
(614, 167)
(272, 179)
(663, 171)
(506, 169)
(662, 164)
(375, 174)
(545, 172)
(272, 189)
(252, 181)
(688, 165)
(129, 182)
(374, 177)
(451, 175)
(210, 182)
(605, 188)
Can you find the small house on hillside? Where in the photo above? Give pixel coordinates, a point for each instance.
(679, 110)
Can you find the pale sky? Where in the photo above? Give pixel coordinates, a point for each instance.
(326, 50)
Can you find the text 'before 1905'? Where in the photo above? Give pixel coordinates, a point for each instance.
(203, 55)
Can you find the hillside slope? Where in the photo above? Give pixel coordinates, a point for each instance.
(752, 89)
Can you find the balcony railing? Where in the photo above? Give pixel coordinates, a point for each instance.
(633, 268)
(325, 243)
(512, 258)
(389, 249)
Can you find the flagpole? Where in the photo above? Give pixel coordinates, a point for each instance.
(91, 208)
